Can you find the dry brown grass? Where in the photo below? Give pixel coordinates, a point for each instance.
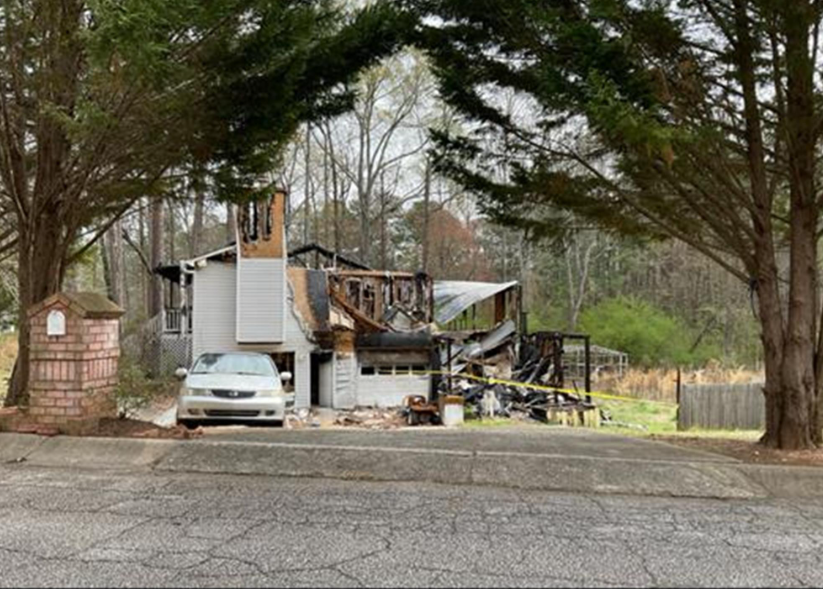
(661, 384)
(8, 353)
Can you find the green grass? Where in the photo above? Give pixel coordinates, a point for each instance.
(641, 419)
(661, 419)
(652, 418)
(492, 422)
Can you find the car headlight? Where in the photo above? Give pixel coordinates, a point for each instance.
(185, 391)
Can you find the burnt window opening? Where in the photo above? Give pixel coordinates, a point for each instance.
(265, 217)
(367, 370)
(250, 224)
(353, 293)
(255, 220)
(369, 300)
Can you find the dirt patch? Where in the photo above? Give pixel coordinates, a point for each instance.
(105, 428)
(747, 451)
(135, 428)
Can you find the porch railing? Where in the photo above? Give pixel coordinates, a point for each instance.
(176, 321)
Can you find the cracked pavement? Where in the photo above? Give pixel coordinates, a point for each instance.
(64, 527)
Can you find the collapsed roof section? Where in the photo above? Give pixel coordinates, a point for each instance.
(452, 297)
(332, 258)
(380, 301)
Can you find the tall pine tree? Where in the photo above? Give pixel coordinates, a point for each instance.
(102, 100)
(697, 120)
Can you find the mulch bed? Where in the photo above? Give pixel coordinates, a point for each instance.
(747, 451)
(12, 420)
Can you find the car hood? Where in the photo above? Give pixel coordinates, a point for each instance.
(233, 382)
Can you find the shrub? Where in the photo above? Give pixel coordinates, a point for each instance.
(649, 335)
(135, 390)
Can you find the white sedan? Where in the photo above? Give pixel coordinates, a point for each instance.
(243, 386)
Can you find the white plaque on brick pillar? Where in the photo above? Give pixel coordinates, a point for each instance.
(56, 323)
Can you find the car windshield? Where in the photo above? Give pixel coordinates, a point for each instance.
(234, 364)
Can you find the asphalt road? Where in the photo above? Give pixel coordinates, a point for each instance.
(62, 527)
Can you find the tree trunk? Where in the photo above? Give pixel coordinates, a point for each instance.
(307, 192)
(336, 206)
(171, 233)
(231, 224)
(424, 265)
(41, 255)
(113, 263)
(105, 257)
(156, 256)
(797, 425)
(771, 322)
(145, 279)
(794, 420)
(365, 233)
(384, 239)
(197, 225)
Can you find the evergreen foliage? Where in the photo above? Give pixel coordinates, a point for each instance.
(697, 120)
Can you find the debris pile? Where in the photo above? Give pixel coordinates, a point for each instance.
(510, 365)
(503, 400)
(372, 418)
(420, 411)
(376, 418)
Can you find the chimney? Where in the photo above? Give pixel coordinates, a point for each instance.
(261, 270)
(261, 227)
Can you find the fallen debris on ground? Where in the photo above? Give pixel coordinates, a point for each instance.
(499, 375)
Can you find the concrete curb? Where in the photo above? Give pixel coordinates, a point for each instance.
(577, 474)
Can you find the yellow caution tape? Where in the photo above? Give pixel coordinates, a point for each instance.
(539, 387)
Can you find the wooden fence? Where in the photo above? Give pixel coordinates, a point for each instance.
(722, 406)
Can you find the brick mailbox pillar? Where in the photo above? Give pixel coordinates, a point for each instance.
(75, 347)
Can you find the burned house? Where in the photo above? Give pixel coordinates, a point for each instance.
(355, 336)
(350, 335)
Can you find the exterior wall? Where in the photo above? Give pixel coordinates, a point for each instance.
(302, 378)
(73, 375)
(261, 300)
(214, 325)
(213, 309)
(345, 381)
(214, 330)
(389, 391)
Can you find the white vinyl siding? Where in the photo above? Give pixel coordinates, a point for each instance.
(214, 325)
(302, 379)
(261, 300)
(213, 309)
(345, 381)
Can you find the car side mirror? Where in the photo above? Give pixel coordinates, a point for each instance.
(285, 376)
(181, 373)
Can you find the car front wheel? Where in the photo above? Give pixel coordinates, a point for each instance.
(188, 423)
